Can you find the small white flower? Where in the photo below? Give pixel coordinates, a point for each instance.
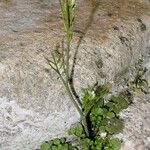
(103, 134)
(93, 94)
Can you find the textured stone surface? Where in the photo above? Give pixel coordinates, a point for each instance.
(136, 135)
(33, 104)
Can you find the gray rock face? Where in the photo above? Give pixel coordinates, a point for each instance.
(33, 104)
(136, 135)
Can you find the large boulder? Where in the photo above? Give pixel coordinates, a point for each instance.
(111, 36)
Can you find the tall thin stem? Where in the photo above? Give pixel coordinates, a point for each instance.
(67, 87)
(68, 38)
(67, 9)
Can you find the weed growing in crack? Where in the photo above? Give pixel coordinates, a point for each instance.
(139, 84)
(102, 116)
(99, 113)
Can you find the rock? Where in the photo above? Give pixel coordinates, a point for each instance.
(147, 65)
(34, 105)
(136, 134)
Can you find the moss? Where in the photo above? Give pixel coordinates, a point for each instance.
(99, 63)
(123, 39)
(142, 25)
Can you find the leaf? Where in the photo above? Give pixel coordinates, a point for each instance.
(71, 131)
(87, 144)
(116, 109)
(110, 104)
(120, 101)
(104, 122)
(110, 115)
(114, 126)
(98, 111)
(63, 140)
(131, 84)
(102, 90)
(138, 91)
(54, 147)
(89, 100)
(144, 83)
(96, 116)
(102, 128)
(77, 131)
(56, 141)
(66, 146)
(127, 96)
(98, 144)
(116, 143)
(113, 107)
(108, 148)
(105, 111)
(45, 146)
(60, 147)
(141, 72)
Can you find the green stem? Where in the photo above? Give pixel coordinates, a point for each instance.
(67, 61)
(67, 21)
(67, 88)
(83, 117)
(85, 125)
(68, 39)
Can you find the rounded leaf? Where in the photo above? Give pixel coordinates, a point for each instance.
(45, 146)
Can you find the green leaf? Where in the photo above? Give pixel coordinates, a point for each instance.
(88, 100)
(87, 144)
(56, 141)
(99, 146)
(113, 107)
(116, 143)
(120, 101)
(144, 83)
(116, 109)
(63, 140)
(60, 147)
(102, 90)
(131, 84)
(54, 147)
(110, 115)
(71, 131)
(96, 116)
(127, 96)
(99, 102)
(77, 131)
(114, 126)
(97, 111)
(66, 146)
(105, 111)
(108, 148)
(102, 128)
(93, 117)
(45, 146)
(110, 104)
(73, 148)
(104, 122)
(141, 72)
